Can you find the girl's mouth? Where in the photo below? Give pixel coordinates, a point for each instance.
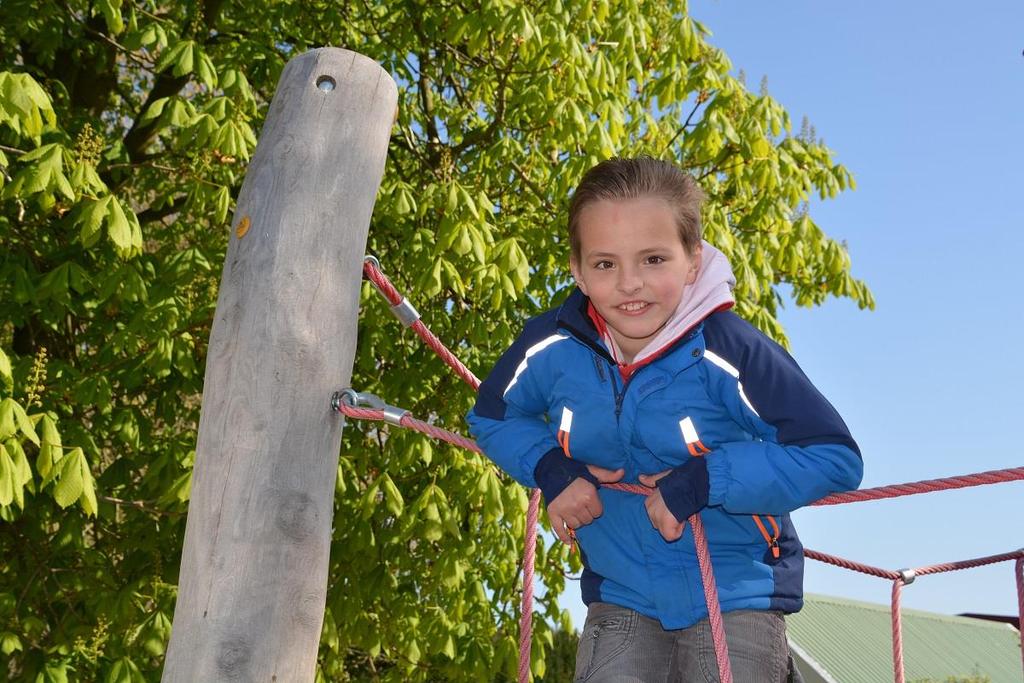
(633, 306)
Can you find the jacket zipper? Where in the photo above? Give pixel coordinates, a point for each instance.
(620, 395)
(771, 539)
(616, 393)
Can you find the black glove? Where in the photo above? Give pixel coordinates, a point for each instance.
(685, 489)
(555, 471)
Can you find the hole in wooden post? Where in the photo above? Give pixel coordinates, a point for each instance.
(326, 83)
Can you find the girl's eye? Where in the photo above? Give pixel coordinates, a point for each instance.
(655, 259)
(603, 265)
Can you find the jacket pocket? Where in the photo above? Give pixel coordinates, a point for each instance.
(769, 532)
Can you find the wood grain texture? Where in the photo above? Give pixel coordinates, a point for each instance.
(253, 576)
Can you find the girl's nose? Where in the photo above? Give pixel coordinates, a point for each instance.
(630, 282)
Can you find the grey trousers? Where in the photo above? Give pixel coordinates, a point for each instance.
(618, 645)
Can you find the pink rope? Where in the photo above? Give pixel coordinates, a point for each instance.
(1019, 572)
(711, 598)
(394, 297)
(526, 611)
(922, 571)
(412, 423)
(897, 589)
(897, 631)
(629, 488)
(968, 564)
(926, 486)
(851, 565)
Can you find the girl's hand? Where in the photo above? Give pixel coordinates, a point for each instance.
(670, 528)
(578, 504)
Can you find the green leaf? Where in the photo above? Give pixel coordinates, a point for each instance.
(53, 672)
(124, 671)
(173, 56)
(179, 490)
(75, 482)
(392, 496)
(45, 176)
(412, 651)
(6, 379)
(23, 421)
(91, 218)
(22, 471)
(222, 204)
(205, 70)
(154, 110)
(8, 422)
(9, 642)
(111, 10)
(8, 474)
(24, 106)
(118, 228)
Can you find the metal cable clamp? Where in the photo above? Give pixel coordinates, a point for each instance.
(403, 310)
(363, 399)
(908, 576)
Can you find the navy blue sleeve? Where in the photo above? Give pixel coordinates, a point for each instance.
(802, 449)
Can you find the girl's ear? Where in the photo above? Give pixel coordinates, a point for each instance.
(574, 266)
(696, 258)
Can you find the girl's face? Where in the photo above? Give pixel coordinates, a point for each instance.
(633, 267)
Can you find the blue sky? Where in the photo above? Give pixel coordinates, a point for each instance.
(924, 103)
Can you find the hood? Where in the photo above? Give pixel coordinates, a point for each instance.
(711, 291)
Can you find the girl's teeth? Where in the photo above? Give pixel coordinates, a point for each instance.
(633, 307)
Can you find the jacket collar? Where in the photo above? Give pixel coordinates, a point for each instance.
(574, 316)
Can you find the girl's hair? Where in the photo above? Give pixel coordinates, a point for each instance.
(643, 176)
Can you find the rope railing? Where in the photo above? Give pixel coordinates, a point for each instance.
(926, 486)
(1019, 575)
(404, 311)
(905, 577)
(370, 407)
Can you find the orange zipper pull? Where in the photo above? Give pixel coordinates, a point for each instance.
(771, 539)
(774, 543)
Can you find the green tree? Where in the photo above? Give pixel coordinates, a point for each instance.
(125, 128)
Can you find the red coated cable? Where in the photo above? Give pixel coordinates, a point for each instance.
(711, 599)
(926, 486)
(851, 565)
(388, 290)
(1019, 573)
(897, 631)
(526, 611)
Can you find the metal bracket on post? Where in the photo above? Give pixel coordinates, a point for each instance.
(372, 260)
(907, 575)
(362, 399)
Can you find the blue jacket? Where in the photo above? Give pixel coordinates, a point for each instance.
(723, 391)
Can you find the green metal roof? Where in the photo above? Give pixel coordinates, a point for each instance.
(852, 641)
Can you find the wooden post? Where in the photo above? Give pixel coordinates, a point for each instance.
(253, 580)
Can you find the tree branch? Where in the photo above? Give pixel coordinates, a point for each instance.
(144, 505)
(533, 187)
(686, 123)
(165, 85)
